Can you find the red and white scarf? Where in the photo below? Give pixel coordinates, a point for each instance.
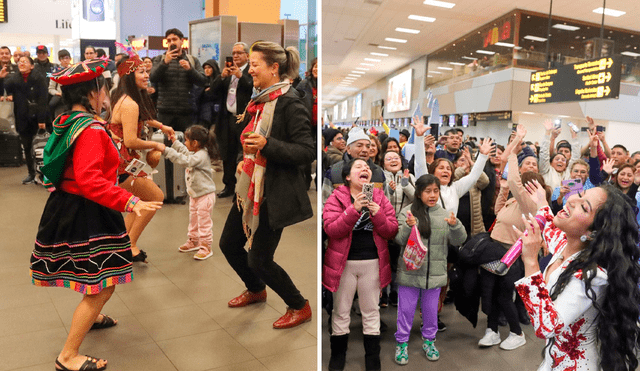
(250, 187)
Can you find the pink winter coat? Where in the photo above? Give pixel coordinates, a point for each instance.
(339, 217)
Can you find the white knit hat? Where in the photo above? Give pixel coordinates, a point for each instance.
(357, 134)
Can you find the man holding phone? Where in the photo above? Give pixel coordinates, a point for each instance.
(175, 73)
(235, 85)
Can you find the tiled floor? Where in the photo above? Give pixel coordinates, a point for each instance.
(173, 316)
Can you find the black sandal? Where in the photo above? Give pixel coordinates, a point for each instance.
(105, 323)
(89, 365)
(141, 257)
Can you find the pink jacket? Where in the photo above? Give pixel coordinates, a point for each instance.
(339, 217)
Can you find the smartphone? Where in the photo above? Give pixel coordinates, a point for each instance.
(573, 127)
(229, 62)
(367, 189)
(557, 124)
(434, 130)
(494, 147)
(505, 173)
(600, 128)
(575, 186)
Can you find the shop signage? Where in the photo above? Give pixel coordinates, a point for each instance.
(496, 34)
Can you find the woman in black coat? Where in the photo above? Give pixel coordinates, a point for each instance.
(209, 101)
(270, 194)
(28, 90)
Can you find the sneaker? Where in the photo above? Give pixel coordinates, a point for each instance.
(489, 339)
(441, 325)
(190, 245)
(513, 341)
(402, 356)
(430, 350)
(29, 179)
(203, 254)
(393, 298)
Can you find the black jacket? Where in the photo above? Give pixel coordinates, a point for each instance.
(174, 84)
(289, 146)
(307, 85)
(44, 68)
(34, 90)
(13, 69)
(209, 97)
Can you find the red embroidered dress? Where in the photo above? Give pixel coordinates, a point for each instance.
(127, 154)
(568, 321)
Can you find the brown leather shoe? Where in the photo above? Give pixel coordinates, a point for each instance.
(248, 297)
(294, 317)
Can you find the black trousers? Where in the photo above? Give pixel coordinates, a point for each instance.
(233, 149)
(503, 299)
(179, 122)
(256, 267)
(27, 143)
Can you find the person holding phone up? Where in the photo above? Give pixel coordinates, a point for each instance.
(175, 73)
(235, 86)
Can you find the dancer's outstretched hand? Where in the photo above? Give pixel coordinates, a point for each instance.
(146, 206)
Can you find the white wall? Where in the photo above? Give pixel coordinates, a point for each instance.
(37, 17)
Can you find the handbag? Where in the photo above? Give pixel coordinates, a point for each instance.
(415, 251)
(7, 117)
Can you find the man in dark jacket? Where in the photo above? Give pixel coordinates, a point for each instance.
(28, 90)
(235, 88)
(6, 67)
(43, 65)
(174, 73)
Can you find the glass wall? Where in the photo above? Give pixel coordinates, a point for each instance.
(517, 39)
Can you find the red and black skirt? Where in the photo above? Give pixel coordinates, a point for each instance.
(80, 245)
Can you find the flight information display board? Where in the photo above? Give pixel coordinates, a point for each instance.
(583, 81)
(3, 11)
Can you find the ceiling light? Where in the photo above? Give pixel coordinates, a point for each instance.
(429, 76)
(535, 38)
(473, 59)
(387, 47)
(508, 45)
(359, 72)
(566, 27)
(407, 30)
(528, 113)
(435, 72)
(445, 68)
(457, 63)
(349, 77)
(421, 18)
(353, 75)
(362, 69)
(373, 60)
(611, 12)
(441, 4)
(485, 52)
(401, 41)
(367, 64)
(379, 54)
(631, 54)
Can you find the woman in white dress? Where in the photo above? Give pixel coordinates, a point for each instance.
(586, 302)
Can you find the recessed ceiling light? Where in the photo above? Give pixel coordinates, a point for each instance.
(445, 68)
(407, 30)
(457, 64)
(359, 72)
(485, 52)
(401, 41)
(535, 38)
(441, 4)
(435, 72)
(421, 18)
(379, 54)
(631, 54)
(528, 113)
(566, 27)
(473, 59)
(373, 60)
(367, 64)
(362, 69)
(353, 75)
(611, 12)
(508, 45)
(429, 76)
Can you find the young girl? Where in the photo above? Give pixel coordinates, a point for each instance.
(438, 228)
(196, 154)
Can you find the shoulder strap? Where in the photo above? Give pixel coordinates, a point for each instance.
(191, 61)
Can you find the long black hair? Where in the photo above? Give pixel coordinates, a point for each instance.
(127, 86)
(419, 210)
(205, 138)
(79, 93)
(614, 247)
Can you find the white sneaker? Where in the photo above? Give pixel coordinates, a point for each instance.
(513, 341)
(489, 339)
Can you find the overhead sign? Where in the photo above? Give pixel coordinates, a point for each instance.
(3, 11)
(595, 79)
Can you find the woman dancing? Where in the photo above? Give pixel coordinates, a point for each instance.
(586, 302)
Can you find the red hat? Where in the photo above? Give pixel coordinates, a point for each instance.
(80, 72)
(42, 49)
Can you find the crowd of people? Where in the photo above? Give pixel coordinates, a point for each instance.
(99, 161)
(465, 203)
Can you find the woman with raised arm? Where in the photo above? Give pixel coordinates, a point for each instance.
(82, 243)
(586, 302)
(554, 169)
